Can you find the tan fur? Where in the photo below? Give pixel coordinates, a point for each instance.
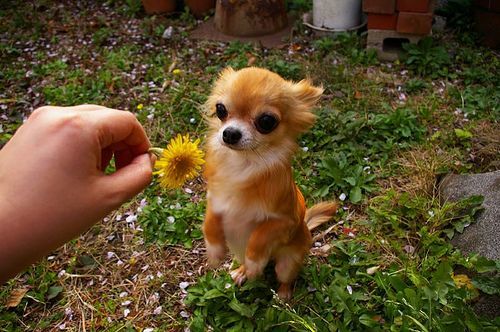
(254, 207)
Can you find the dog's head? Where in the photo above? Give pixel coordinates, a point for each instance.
(253, 109)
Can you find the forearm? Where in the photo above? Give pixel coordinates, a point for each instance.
(27, 233)
(52, 184)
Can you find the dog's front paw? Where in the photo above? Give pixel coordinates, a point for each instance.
(238, 275)
(215, 254)
(285, 291)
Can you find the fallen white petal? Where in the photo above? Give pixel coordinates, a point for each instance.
(372, 270)
(131, 218)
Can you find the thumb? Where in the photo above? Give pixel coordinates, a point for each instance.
(129, 180)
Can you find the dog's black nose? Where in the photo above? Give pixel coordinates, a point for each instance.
(231, 135)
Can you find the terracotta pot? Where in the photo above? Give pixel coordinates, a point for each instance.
(158, 6)
(250, 18)
(200, 8)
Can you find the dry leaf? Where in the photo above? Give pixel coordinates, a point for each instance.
(251, 60)
(15, 297)
(358, 95)
(322, 251)
(172, 66)
(295, 47)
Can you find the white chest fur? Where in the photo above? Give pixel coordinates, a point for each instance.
(239, 219)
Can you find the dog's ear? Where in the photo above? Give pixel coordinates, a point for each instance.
(303, 96)
(305, 93)
(226, 72)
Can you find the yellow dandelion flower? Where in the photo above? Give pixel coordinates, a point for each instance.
(462, 280)
(179, 162)
(140, 107)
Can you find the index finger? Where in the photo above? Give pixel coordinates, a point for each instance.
(114, 126)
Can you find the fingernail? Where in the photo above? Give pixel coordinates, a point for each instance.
(152, 159)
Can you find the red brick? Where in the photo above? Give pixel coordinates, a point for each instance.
(382, 21)
(414, 23)
(379, 6)
(419, 6)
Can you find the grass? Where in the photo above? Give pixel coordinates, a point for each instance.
(385, 133)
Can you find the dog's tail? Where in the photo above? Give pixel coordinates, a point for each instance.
(319, 214)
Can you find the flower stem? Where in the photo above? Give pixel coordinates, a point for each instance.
(156, 151)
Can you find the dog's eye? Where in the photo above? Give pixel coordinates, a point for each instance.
(266, 123)
(221, 111)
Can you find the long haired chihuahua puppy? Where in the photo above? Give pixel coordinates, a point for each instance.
(254, 207)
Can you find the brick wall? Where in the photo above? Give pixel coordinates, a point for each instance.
(407, 20)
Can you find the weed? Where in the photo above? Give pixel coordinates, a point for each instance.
(101, 36)
(349, 45)
(298, 5)
(415, 85)
(459, 17)
(426, 58)
(324, 45)
(350, 143)
(6, 132)
(132, 7)
(188, 17)
(478, 101)
(287, 69)
(360, 288)
(219, 303)
(237, 54)
(345, 177)
(74, 93)
(177, 222)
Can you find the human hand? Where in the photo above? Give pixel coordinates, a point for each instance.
(52, 181)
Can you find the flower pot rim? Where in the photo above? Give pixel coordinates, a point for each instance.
(307, 21)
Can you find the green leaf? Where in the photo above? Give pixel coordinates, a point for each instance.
(484, 264)
(351, 180)
(449, 233)
(241, 308)
(53, 292)
(367, 320)
(87, 262)
(488, 285)
(214, 293)
(443, 272)
(422, 327)
(355, 195)
(463, 134)
(397, 282)
(323, 191)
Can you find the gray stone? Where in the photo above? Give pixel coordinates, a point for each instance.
(388, 43)
(483, 236)
(439, 23)
(167, 34)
